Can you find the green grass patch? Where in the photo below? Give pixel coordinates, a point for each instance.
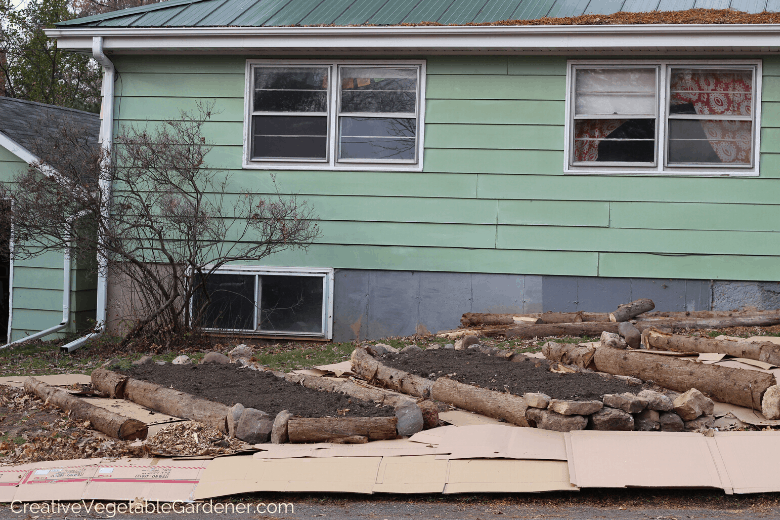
(305, 356)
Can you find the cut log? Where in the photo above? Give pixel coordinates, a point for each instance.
(559, 329)
(475, 319)
(352, 389)
(727, 385)
(630, 310)
(109, 383)
(630, 333)
(658, 315)
(765, 351)
(177, 404)
(568, 354)
(498, 405)
(108, 422)
(331, 429)
(364, 365)
(764, 320)
(573, 317)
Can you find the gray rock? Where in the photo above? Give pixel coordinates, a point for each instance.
(575, 407)
(433, 346)
(649, 415)
(215, 357)
(627, 402)
(770, 403)
(612, 340)
(241, 351)
(279, 430)
(465, 342)
(142, 360)
(254, 426)
(234, 415)
(704, 422)
(657, 400)
(411, 349)
(537, 400)
(647, 421)
(547, 420)
(671, 422)
(630, 333)
(693, 404)
(182, 360)
(410, 419)
(449, 346)
(612, 419)
(377, 350)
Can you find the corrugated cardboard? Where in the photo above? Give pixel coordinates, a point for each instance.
(411, 475)
(754, 417)
(432, 436)
(150, 479)
(463, 418)
(507, 476)
(62, 482)
(760, 364)
(343, 369)
(640, 459)
(10, 477)
(506, 442)
(388, 448)
(751, 460)
(709, 358)
(53, 380)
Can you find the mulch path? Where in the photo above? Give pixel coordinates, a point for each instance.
(516, 377)
(229, 385)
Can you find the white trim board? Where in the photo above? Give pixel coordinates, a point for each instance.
(18, 150)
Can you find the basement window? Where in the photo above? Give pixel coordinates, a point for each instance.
(344, 115)
(663, 117)
(265, 301)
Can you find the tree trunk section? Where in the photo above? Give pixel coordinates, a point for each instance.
(333, 429)
(109, 383)
(712, 323)
(569, 354)
(559, 329)
(659, 315)
(765, 351)
(498, 405)
(573, 317)
(475, 319)
(110, 423)
(628, 311)
(178, 404)
(350, 388)
(727, 385)
(364, 365)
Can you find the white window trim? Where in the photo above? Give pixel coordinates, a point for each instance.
(660, 168)
(326, 273)
(332, 164)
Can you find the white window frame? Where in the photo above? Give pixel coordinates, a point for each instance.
(334, 95)
(327, 275)
(660, 167)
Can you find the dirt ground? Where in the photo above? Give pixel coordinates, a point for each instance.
(229, 385)
(495, 373)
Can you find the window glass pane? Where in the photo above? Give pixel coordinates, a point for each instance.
(291, 303)
(231, 304)
(614, 140)
(711, 92)
(693, 141)
(615, 92)
(378, 89)
(291, 89)
(377, 138)
(297, 137)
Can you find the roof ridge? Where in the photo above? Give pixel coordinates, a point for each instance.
(128, 11)
(35, 103)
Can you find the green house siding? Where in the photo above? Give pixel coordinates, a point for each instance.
(38, 282)
(492, 197)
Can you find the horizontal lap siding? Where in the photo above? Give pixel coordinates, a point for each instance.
(492, 197)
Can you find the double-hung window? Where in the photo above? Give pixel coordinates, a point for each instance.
(334, 115)
(663, 117)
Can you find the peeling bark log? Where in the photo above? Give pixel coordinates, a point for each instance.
(109, 383)
(475, 319)
(727, 385)
(497, 405)
(559, 329)
(364, 365)
(573, 317)
(657, 315)
(352, 389)
(336, 429)
(628, 311)
(178, 404)
(568, 354)
(712, 323)
(110, 423)
(765, 351)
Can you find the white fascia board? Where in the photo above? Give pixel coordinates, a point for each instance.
(18, 150)
(527, 38)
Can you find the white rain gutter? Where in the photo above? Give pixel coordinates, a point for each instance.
(104, 184)
(604, 39)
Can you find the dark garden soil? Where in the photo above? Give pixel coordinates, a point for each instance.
(229, 385)
(516, 377)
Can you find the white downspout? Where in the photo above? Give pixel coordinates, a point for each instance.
(104, 184)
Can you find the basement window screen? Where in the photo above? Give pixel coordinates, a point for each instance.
(344, 115)
(663, 117)
(273, 303)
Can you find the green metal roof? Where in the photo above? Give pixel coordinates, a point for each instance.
(279, 13)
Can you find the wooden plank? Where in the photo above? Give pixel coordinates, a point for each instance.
(696, 267)
(769, 137)
(41, 299)
(770, 66)
(7, 156)
(50, 260)
(494, 137)
(769, 165)
(35, 278)
(162, 108)
(537, 65)
(770, 114)
(526, 162)
(180, 64)
(496, 87)
(466, 65)
(215, 133)
(35, 319)
(553, 213)
(487, 111)
(771, 88)
(407, 234)
(657, 215)
(205, 86)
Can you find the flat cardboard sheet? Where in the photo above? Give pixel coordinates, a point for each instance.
(507, 476)
(709, 358)
(53, 380)
(411, 475)
(746, 415)
(433, 436)
(663, 353)
(608, 459)
(464, 418)
(389, 448)
(502, 442)
(55, 480)
(751, 460)
(343, 369)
